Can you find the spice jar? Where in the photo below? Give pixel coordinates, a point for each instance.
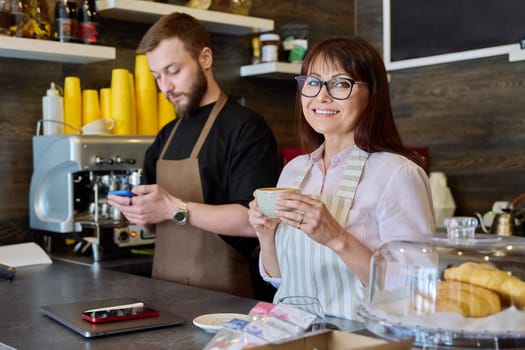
(256, 50)
(270, 47)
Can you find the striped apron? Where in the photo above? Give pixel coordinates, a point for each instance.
(311, 269)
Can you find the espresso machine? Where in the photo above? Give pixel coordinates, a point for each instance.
(72, 175)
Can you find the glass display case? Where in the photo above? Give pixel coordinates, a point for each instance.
(466, 292)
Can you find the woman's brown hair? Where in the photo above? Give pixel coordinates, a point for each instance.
(375, 130)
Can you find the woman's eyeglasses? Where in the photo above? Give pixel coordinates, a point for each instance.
(338, 88)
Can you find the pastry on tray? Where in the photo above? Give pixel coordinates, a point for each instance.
(466, 299)
(510, 288)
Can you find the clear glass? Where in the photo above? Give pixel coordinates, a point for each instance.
(338, 88)
(461, 227)
(311, 305)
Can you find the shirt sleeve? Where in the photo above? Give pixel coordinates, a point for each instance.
(276, 282)
(405, 210)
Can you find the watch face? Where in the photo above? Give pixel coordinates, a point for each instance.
(180, 217)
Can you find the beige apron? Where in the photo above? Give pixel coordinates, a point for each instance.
(184, 253)
(309, 268)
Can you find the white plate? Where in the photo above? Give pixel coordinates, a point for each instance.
(213, 322)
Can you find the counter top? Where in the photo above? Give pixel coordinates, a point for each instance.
(25, 327)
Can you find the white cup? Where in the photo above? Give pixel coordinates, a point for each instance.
(267, 196)
(98, 127)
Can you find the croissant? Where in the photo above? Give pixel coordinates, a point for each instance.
(509, 287)
(466, 299)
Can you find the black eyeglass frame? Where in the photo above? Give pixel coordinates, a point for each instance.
(301, 79)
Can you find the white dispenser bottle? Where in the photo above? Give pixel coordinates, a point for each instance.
(444, 204)
(53, 111)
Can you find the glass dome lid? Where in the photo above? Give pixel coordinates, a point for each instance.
(449, 292)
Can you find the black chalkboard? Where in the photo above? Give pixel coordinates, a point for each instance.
(421, 28)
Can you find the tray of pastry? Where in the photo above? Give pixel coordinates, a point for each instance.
(449, 294)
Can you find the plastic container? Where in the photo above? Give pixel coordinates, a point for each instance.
(269, 47)
(442, 200)
(53, 111)
(449, 293)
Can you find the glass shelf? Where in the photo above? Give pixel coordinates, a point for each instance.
(516, 53)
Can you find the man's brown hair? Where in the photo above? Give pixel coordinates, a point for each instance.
(186, 28)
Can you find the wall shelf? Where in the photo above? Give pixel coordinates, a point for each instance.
(516, 53)
(149, 11)
(46, 50)
(274, 70)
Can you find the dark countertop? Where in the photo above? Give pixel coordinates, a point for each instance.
(23, 326)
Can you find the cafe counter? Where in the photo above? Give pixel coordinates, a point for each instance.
(24, 326)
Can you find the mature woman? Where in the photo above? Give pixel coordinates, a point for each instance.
(360, 185)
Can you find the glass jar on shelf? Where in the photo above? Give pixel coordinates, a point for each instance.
(5, 17)
(241, 7)
(41, 21)
(21, 19)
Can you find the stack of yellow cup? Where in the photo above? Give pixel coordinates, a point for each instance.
(90, 106)
(121, 102)
(146, 98)
(133, 104)
(105, 103)
(72, 105)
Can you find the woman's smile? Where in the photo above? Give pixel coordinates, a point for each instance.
(325, 111)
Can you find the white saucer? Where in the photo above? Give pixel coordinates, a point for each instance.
(211, 323)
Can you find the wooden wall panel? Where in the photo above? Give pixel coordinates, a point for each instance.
(470, 116)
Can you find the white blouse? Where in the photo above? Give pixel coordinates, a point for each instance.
(392, 201)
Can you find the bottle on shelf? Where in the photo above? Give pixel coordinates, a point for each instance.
(256, 50)
(5, 17)
(66, 21)
(53, 111)
(88, 21)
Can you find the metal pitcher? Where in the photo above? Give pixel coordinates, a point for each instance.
(503, 224)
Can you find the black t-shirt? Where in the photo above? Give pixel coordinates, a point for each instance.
(238, 156)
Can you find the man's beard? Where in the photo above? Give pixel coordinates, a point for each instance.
(194, 95)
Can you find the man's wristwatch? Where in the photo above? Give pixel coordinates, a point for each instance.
(180, 217)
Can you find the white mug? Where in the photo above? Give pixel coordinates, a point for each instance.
(99, 126)
(267, 196)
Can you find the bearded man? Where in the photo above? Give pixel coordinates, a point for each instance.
(202, 168)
